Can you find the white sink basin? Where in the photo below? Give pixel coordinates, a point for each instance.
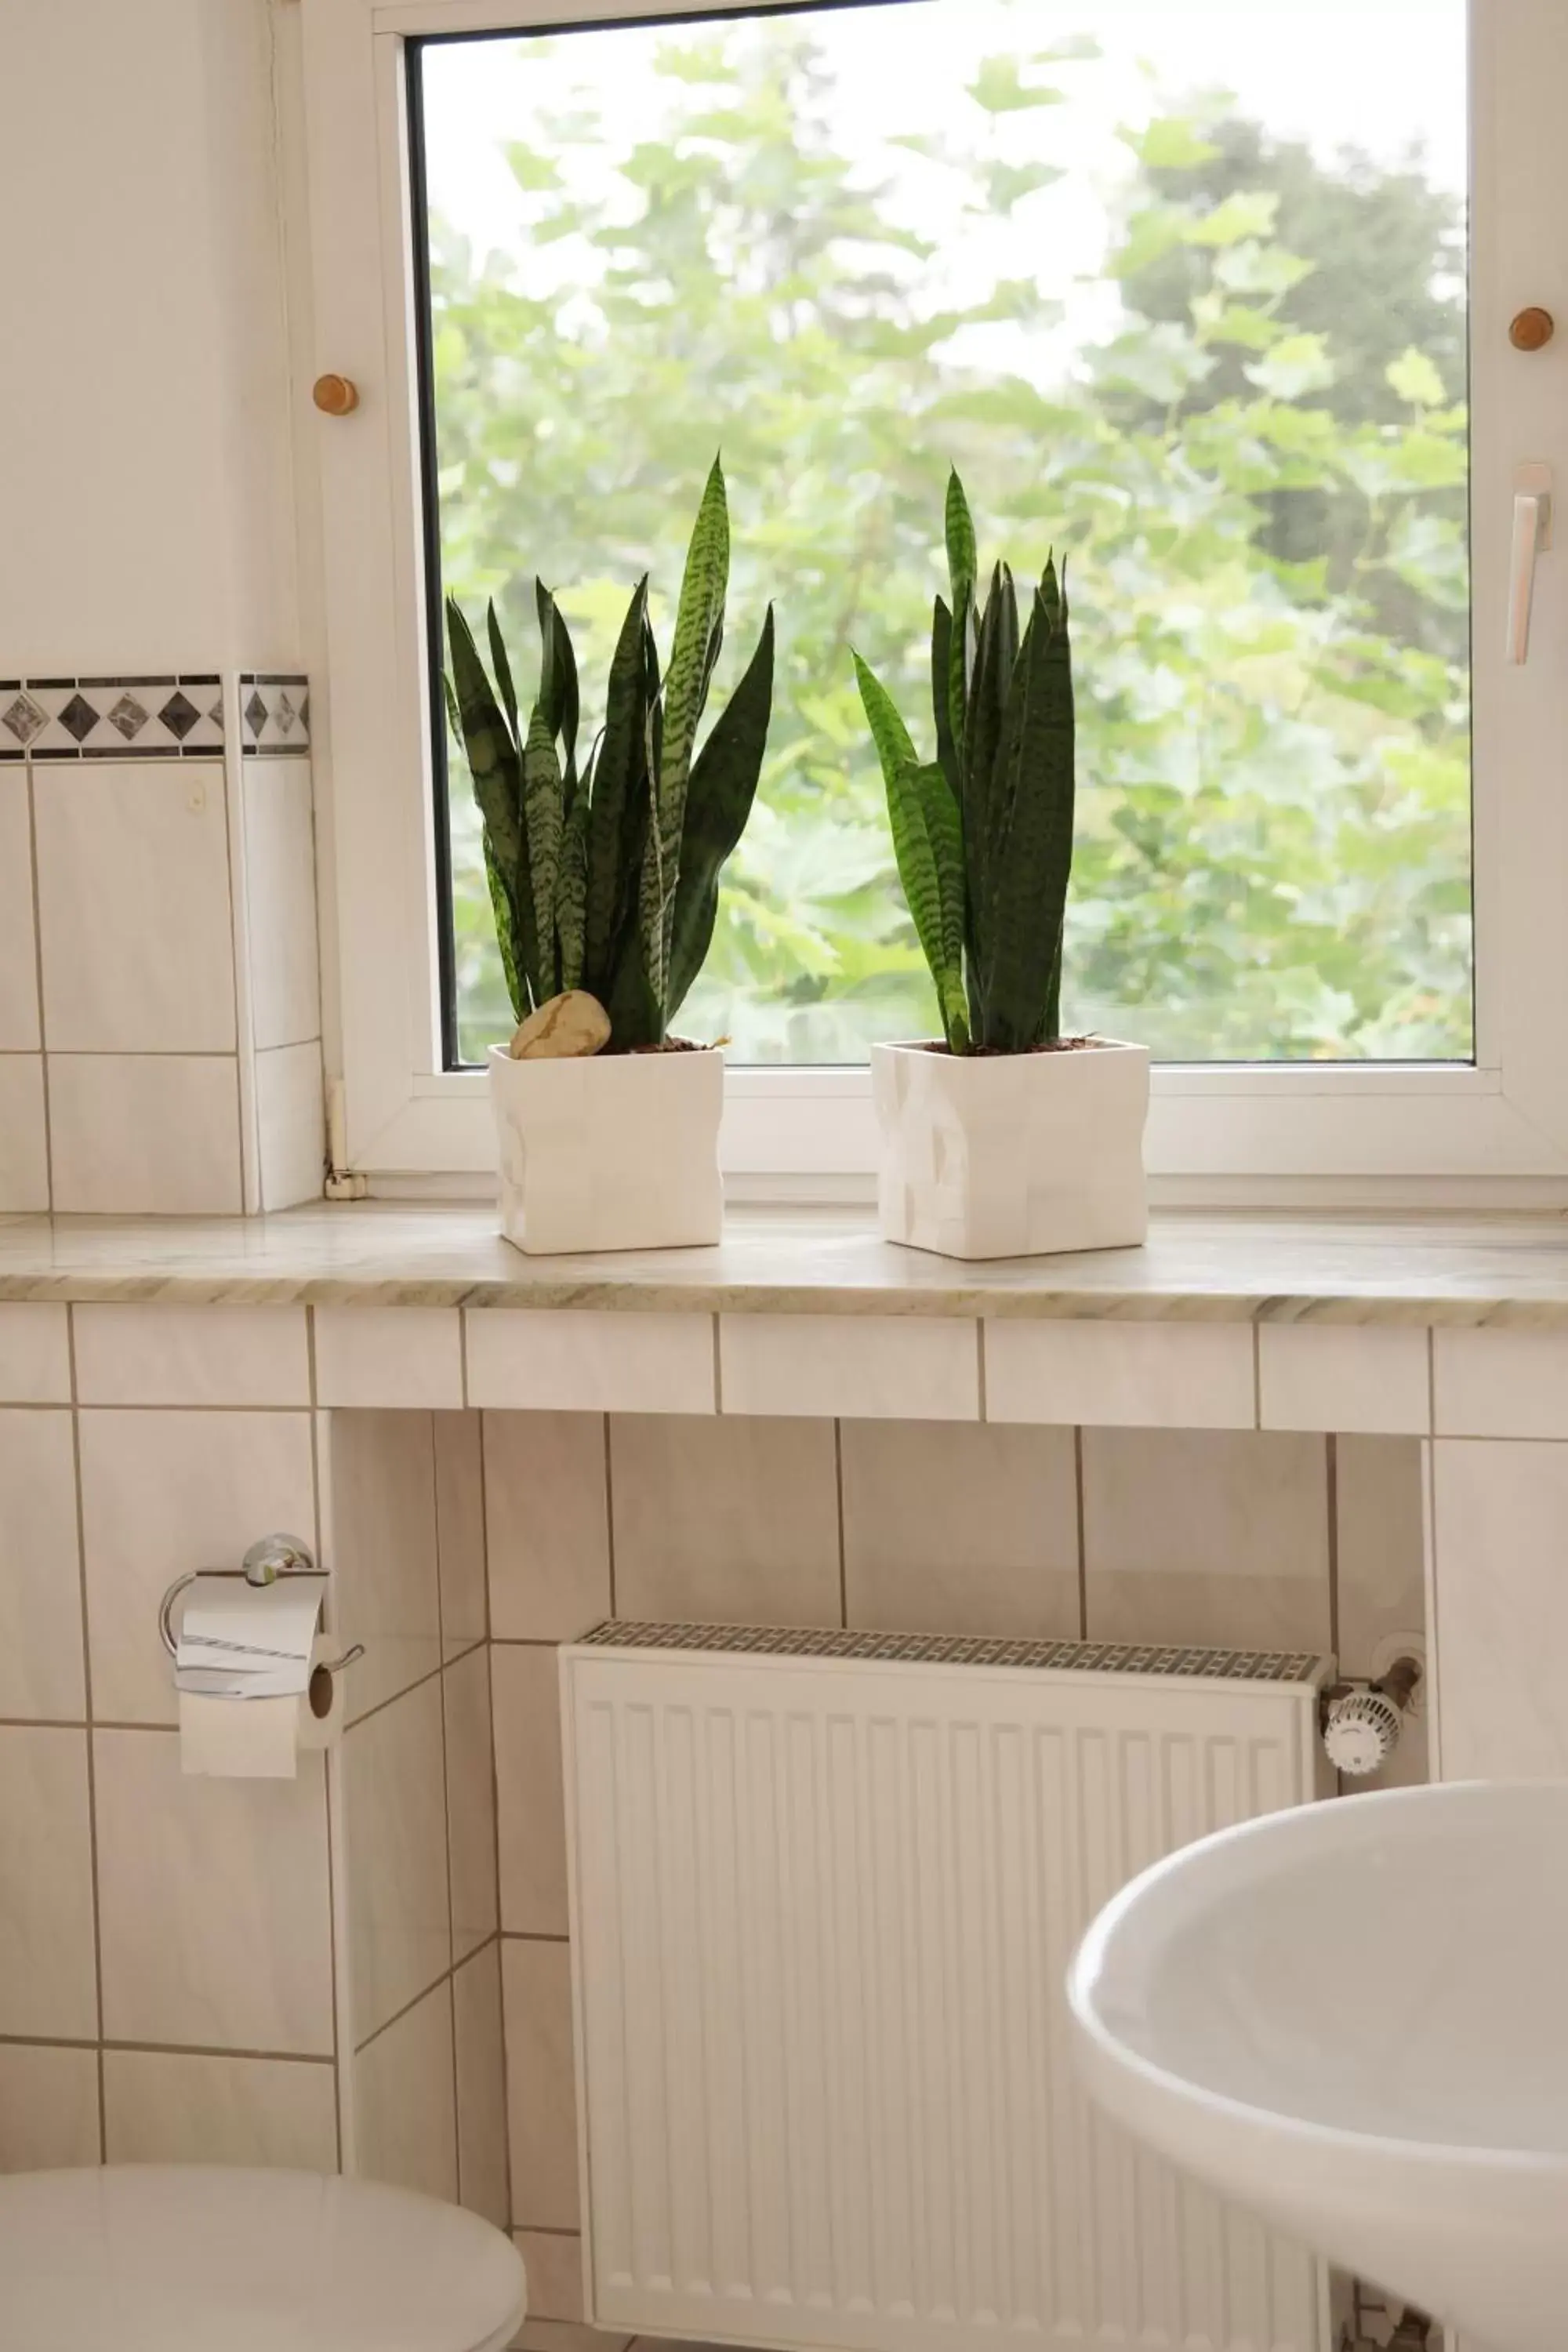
(1354, 2018)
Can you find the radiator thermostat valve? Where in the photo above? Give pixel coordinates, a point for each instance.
(1361, 1726)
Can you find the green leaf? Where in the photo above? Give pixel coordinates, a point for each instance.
(1000, 89)
(963, 559)
(1413, 378)
(543, 795)
(1034, 859)
(1298, 364)
(1171, 143)
(699, 620)
(944, 831)
(558, 690)
(572, 893)
(916, 850)
(942, 691)
(618, 819)
(718, 803)
(1247, 212)
(495, 771)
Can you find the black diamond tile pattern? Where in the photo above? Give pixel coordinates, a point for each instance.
(113, 718)
(273, 715)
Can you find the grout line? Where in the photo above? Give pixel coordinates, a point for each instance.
(407, 2009)
(839, 1505)
(484, 1524)
(446, 1805)
(90, 1742)
(163, 2049)
(1332, 1458)
(327, 1793)
(610, 1510)
(528, 1935)
(393, 1697)
(38, 976)
(1082, 1542)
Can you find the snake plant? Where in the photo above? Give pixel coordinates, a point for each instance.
(607, 878)
(983, 833)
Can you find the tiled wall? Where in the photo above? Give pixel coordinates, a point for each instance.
(160, 1003)
(345, 1962)
(249, 1972)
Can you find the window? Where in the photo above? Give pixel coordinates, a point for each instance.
(1215, 297)
(1174, 292)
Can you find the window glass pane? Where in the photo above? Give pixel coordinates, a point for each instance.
(1180, 292)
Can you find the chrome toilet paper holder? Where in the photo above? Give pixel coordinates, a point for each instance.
(268, 1559)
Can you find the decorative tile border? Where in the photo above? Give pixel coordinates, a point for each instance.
(273, 715)
(174, 717)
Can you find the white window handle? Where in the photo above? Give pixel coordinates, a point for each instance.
(1531, 537)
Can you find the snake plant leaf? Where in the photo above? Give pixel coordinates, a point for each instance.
(996, 654)
(618, 824)
(941, 691)
(1035, 861)
(502, 667)
(558, 688)
(944, 830)
(963, 556)
(699, 617)
(495, 769)
(571, 892)
(718, 803)
(915, 847)
(543, 795)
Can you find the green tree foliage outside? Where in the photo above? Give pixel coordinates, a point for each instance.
(1257, 469)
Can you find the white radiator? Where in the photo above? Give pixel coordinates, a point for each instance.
(824, 1887)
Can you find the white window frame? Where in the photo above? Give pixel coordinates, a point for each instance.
(1498, 1131)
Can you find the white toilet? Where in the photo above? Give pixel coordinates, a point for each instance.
(193, 2258)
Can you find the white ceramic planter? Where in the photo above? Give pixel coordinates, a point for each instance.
(609, 1151)
(1012, 1155)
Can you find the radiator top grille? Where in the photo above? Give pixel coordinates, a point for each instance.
(962, 1649)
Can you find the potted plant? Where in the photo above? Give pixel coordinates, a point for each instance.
(1003, 1138)
(604, 884)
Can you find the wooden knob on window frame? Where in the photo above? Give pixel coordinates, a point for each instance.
(335, 395)
(1532, 329)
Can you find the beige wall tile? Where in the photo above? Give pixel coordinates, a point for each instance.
(404, 2103)
(1499, 1513)
(1121, 1375)
(193, 1356)
(405, 1356)
(470, 1802)
(1499, 1383)
(542, 2097)
(24, 1147)
(733, 1521)
(291, 1125)
(878, 1367)
(49, 2107)
(547, 1528)
(175, 1123)
(35, 1355)
(529, 1794)
(41, 1638)
(1204, 1537)
(281, 897)
(460, 1530)
(553, 2261)
(214, 1903)
(47, 1980)
(394, 1810)
(379, 1502)
(955, 1527)
(572, 1360)
(163, 1493)
(160, 2108)
(18, 951)
(481, 2088)
(116, 840)
(1381, 1545)
(1344, 1376)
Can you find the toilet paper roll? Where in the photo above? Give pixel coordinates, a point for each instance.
(262, 1738)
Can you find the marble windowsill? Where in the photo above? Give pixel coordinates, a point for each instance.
(1496, 1270)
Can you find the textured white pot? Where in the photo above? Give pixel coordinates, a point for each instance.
(1009, 1155)
(609, 1151)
